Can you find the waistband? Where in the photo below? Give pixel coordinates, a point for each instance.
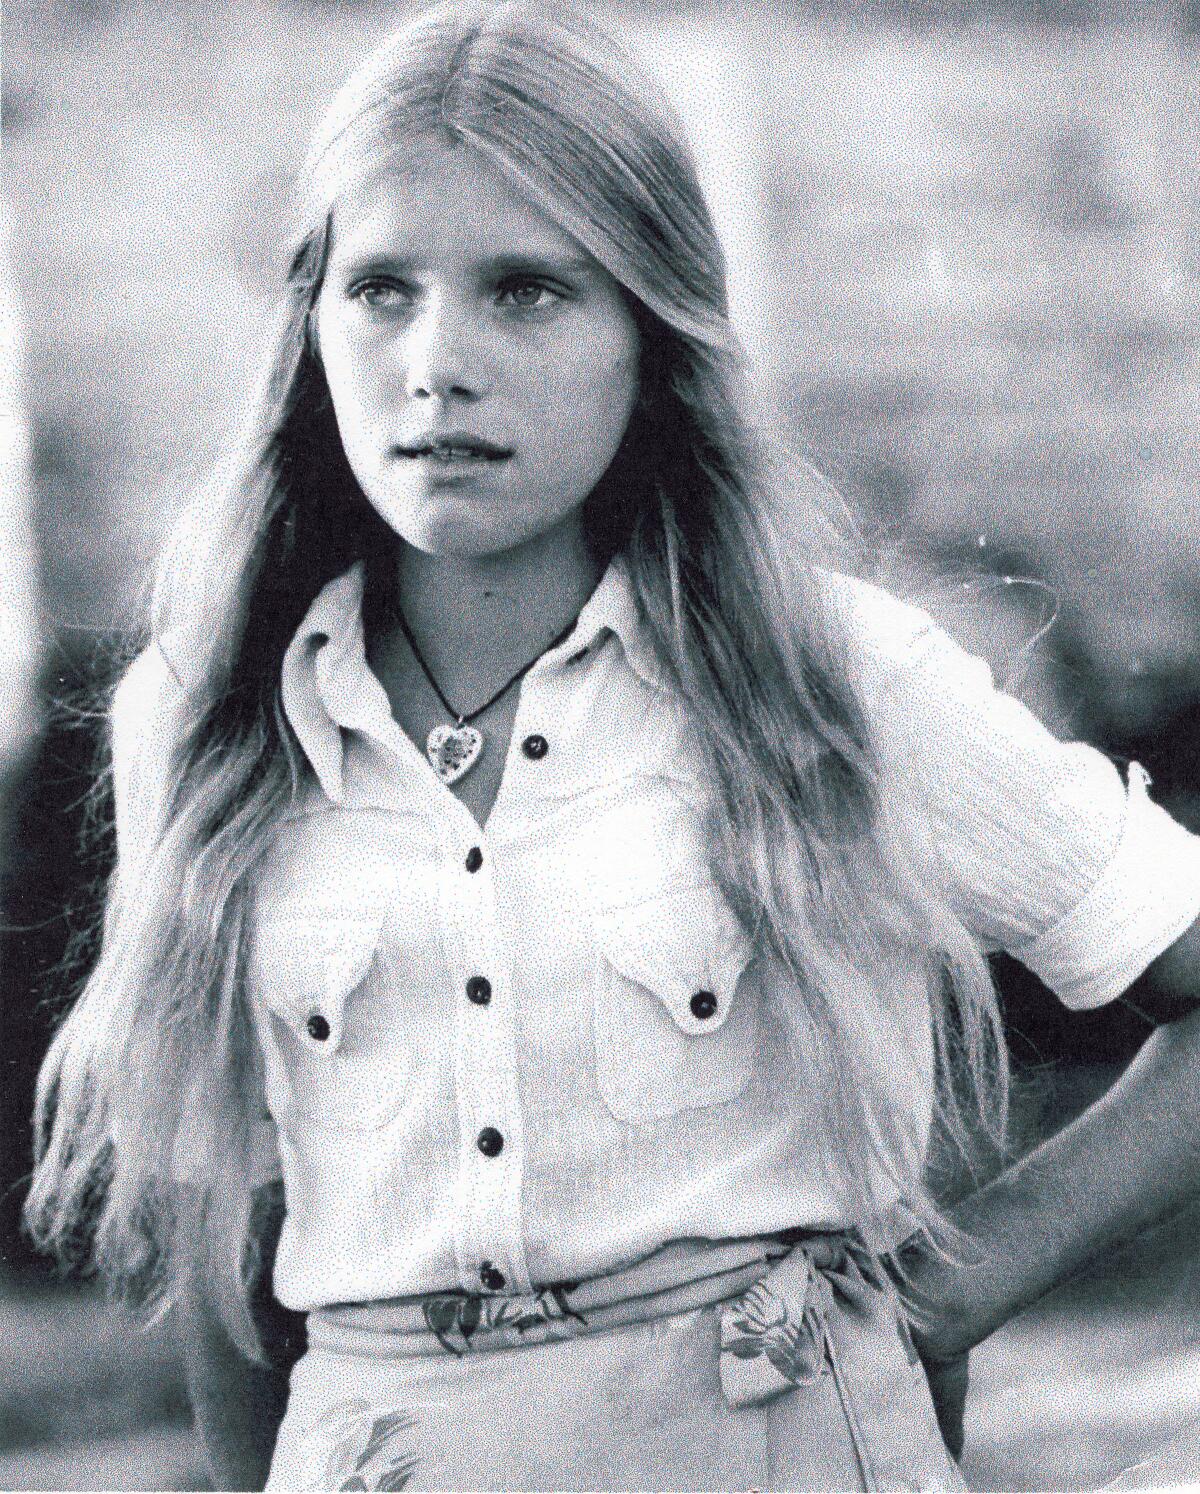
(791, 1309)
(678, 1277)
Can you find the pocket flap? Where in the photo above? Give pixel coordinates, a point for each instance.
(309, 963)
(686, 946)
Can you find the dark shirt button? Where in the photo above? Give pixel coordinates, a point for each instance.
(474, 859)
(535, 746)
(479, 990)
(489, 1141)
(491, 1277)
(703, 1004)
(318, 1027)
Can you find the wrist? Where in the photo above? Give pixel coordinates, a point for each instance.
(939, 1341)
(943, 1318)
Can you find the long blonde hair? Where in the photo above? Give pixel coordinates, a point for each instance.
(155, 1075)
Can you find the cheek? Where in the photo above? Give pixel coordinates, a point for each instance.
(599, 391)
(618, 376)
(348, 370)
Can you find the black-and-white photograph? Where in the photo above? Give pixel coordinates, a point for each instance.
(600, 745)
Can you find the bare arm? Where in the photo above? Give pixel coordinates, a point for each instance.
(238, 1404)
(1130, 1159)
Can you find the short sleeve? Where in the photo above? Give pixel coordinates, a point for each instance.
(1045, 850)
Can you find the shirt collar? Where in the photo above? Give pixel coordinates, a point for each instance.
(327, 685)
(613, 608)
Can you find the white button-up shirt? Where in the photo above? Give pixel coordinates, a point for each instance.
(506, 1057)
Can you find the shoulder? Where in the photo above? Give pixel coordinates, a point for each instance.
(874, 616)
(888, 642)
(148, 709)
(149, 689)
(919, 685)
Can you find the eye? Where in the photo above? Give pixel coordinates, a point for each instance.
(378, 293)
(528, 293)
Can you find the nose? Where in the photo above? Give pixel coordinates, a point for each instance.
(442, 353)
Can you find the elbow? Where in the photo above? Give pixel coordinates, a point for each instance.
(1168, 993)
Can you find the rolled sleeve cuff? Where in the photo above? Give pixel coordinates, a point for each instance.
(1143, 900)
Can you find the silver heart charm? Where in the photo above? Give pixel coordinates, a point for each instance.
(453, 751)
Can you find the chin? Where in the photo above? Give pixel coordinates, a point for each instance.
(443, 528)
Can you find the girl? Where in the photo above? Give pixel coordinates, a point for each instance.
(551, 894)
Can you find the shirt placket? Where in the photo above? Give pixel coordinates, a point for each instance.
(488, 1236)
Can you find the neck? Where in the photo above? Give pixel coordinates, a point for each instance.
(487, 612)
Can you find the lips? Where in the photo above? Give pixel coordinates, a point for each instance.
(457, 446)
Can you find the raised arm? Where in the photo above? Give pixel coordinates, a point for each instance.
(1046, 850)
(1129, 1160)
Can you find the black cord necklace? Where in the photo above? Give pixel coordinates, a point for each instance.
(454, 749)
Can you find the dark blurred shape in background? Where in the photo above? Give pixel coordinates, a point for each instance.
(965, 241)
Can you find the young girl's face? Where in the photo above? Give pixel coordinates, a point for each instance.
(453, 308)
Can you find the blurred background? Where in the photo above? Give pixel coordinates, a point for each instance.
(965, 254)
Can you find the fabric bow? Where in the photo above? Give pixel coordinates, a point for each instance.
(776, 1337)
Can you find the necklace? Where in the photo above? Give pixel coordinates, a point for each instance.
(454, 749)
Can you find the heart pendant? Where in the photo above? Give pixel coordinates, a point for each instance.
(453, 751)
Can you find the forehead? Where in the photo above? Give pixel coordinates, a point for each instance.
(436, 202)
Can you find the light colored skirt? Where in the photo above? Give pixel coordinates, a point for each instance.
(745, 1364)
(1174, 1465)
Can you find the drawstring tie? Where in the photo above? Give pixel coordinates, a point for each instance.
(820, 1311)
(776, 1336)
(792, 1310)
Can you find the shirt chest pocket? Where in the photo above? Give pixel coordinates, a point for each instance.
(334, 1047)
(675, 1026)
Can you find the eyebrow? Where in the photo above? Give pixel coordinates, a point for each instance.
(574, 264)
(497, 263)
